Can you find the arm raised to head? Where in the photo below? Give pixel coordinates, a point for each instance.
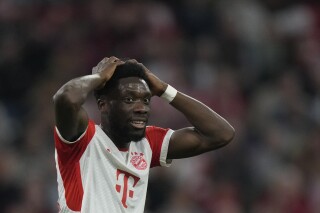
(70, 117)
(209, 130)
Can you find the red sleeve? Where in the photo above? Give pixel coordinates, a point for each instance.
(68, 157)
(69, 152)
(155, 136)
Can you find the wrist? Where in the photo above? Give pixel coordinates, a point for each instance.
(169, 94)
(100, 81)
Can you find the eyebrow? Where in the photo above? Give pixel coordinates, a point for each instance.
(144, 93)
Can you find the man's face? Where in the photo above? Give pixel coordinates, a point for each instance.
(130, 108)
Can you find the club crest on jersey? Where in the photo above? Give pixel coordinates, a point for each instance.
(138, 161)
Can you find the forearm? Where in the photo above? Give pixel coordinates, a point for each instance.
(70, 117)
(76, 90)
(207, 122)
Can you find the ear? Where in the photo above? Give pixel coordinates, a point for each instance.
(103, 105)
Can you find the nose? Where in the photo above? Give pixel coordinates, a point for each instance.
(141, 107)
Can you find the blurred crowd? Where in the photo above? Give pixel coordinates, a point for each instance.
(255, 62)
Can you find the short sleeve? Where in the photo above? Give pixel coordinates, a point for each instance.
(159, 139)
(72, 151)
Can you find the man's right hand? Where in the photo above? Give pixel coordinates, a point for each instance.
(106, 68)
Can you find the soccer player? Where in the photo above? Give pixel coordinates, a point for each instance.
(104, 168)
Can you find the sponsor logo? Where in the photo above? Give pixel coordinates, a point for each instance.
(123, 187)
(138, 161)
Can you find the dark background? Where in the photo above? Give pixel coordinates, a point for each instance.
(256, 62)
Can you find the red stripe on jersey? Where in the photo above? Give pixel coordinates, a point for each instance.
(68, 159)
(155, 136)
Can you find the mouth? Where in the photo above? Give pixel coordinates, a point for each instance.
(138, 124)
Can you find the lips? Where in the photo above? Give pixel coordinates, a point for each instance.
(138, 124)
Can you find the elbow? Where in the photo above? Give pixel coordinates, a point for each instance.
(230, 135)
(61, 97)
(227, 136)
(56, 97)
(221, 139)
(64, 96)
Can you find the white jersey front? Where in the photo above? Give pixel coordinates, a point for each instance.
(94, 176)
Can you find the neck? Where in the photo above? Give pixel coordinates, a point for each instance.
(118, 140)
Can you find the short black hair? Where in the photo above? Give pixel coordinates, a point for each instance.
(128, 69)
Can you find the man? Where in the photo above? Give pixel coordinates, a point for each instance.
(104, 168)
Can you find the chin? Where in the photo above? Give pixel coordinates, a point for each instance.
(128, 133)
(137, 136)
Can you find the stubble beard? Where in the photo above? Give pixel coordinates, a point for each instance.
(125, 133)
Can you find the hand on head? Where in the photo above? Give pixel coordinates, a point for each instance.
(106, 67)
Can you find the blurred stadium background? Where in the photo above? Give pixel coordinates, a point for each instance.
(256, 62)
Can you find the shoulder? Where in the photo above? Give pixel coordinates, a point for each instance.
(155, 134)
(155, 130)
(158, 139)
(88, 133)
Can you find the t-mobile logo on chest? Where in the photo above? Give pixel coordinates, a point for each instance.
(127, 191)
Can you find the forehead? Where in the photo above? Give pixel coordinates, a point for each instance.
(133, 84)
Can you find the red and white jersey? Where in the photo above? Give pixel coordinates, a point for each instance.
(94, 176)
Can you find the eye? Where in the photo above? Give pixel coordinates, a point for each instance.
(146, 101)
(128, 100)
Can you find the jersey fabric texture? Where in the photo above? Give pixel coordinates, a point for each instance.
(94, 176)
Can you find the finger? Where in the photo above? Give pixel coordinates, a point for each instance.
(104, 59)
(100, 63)
(120, 62)
(97, 67)
(113, 59)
